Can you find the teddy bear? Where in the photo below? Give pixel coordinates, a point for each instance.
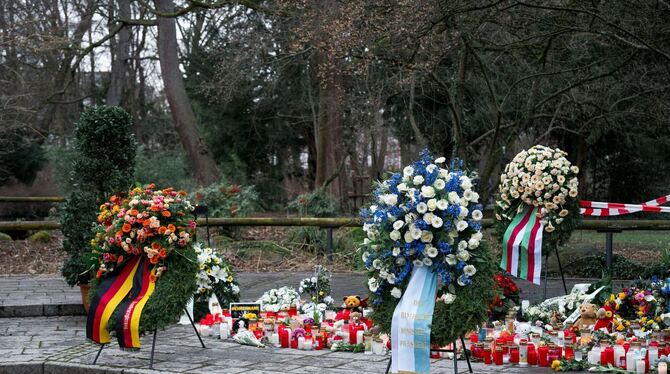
(605, 320)
(351, 304)
(587, 316)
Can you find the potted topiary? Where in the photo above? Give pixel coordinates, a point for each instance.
(104, 162)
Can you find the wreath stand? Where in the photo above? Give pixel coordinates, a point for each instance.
(153, 343)
(199, 209)
(455, 352)
(546, 271)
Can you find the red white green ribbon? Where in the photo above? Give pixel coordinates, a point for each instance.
(522, 246)
(602, 209)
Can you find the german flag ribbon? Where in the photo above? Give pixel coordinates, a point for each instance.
(128, 326)
(127, 289)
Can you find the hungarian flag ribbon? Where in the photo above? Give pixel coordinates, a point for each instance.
(410, 327)
(128, 326)
(603, 209)
(522, 246)
(127, 290)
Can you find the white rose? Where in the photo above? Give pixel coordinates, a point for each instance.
(466, 183)
(431, 252)
(418, 179)
(408, 171)
(463, 255)
(463, 212)
(427, 261)
(416, 233)
(427, 192)
(454, 198)
(428, 217)
(473, 243)
(443, 173)
(469, 270)
(373, 284)
(461, 225)
(432, 204)
(450, 259)
(439, 184)
(462, 245)
(396, 251)
(477, 215)
(377, 264)
(394, 235)
(408, 237)
(391, 278)
(436, 222)
(448, 298)
(402, 187)
(430, 168)
(440, 160)
(467, 195)
(421, 207)
(417, 263)
(391, 199)
(442, 204)
(395, 292)
(426, 236)
(397, 225)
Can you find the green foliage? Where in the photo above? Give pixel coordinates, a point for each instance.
(164, 167)
(469, 310)
(21, 156)
(4, 236)
(228, 200)
(318, 203)
(61, 159)
(103, 163)
(595, 265)
(40, 237)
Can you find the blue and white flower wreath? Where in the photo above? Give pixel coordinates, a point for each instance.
(428, 215)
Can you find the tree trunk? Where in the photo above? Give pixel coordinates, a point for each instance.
(121, 53)
(329, 135)
(201, 160)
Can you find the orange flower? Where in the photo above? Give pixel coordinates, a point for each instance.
(155, 246)
(151, 185)
(133, 212)
(119, 234)
(146, 223)
(166, 213)
(154, 260)
(126, 227)
(114, 199)
(183, 193)
(154, 208)
(152, 278)
(162, 229)
(162, 253)
(171, 228)
(98, 274)
(120, 259)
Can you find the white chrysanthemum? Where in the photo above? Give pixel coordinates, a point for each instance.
(469, 270)
(439, 184)
(395, 292)
(431, 252)
(436, 222)
(421, 207)
(442, 204)
(397, 225)
(418, 179)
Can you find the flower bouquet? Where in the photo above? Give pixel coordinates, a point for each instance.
(506, 298)
(277, 299)
(428, 216)
(214, 276)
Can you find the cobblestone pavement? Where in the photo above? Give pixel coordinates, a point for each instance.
(29, 295)
(57, 345)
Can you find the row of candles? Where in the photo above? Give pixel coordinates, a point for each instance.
(635, 356)
(303, 336)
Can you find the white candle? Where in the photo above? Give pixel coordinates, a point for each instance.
(640, 366)
(224, 330)
(274, 339)
(359, 337)
(662, 368)
(301, 342)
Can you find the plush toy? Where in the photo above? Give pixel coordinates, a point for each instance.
(351, 304)
(522, 328)
(605, 317)
(587, 316)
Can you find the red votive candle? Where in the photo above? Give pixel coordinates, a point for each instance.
(532, 355)
(542, 354)
(514, 355)
(498, 356)
(486, 355)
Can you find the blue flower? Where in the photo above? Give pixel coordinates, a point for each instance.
(444, 247)
(475, 225)
(464, 279)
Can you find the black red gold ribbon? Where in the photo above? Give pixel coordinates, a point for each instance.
(128, 289)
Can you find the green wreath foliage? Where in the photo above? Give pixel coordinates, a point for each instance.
(469, 309)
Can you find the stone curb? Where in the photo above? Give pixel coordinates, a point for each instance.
(41, 310)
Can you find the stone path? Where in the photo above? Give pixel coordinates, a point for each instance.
(57, 345)
(29, 295)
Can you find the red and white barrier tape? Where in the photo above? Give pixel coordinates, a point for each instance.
(600, 209)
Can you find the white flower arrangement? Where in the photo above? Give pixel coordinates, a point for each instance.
(213, 270)
(428, 215)
(540, 177)
(277, 299)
